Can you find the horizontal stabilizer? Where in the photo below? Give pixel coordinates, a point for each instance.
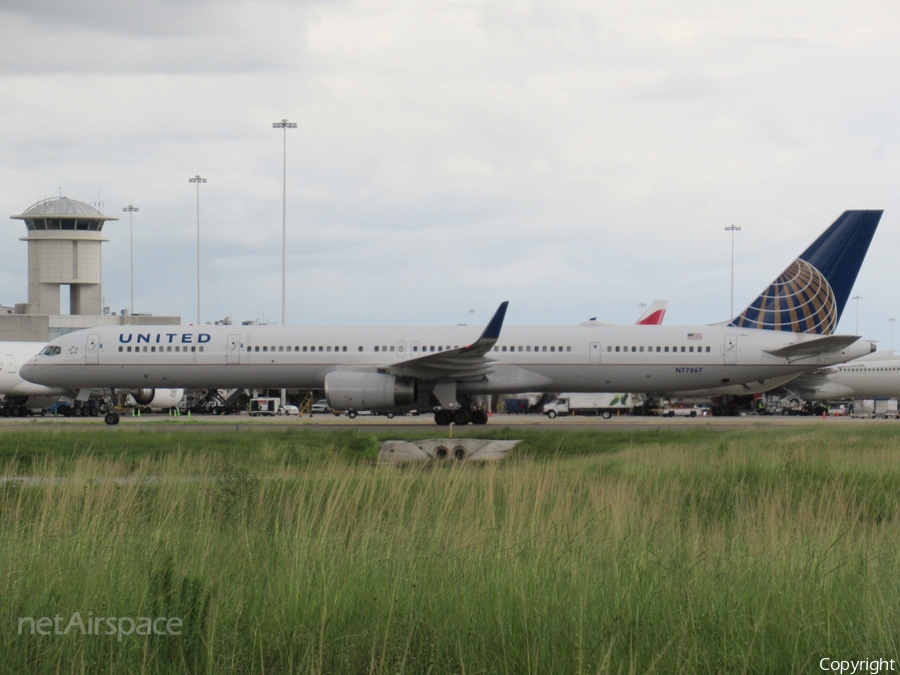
(827, 343)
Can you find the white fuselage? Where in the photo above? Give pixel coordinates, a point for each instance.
(633, 359)
(12, 356)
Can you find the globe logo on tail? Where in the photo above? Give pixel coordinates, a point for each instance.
(800, 300)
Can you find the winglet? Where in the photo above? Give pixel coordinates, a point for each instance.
(490, 334)
(460, 363)
(492, 331)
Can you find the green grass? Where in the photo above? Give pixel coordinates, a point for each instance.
(695, 551)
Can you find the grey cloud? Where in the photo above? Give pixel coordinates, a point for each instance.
(156, 18)
(473, 153)
(232, 36)
(677, 86)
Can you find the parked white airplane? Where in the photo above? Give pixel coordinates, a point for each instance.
(22, 396)
(877, 376)
(785, 331)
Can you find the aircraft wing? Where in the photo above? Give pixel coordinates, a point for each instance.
(464, 363)
(827, 343)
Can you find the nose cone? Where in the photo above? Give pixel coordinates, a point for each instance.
(29, 371)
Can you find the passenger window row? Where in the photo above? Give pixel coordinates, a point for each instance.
(328, 348)
(658, 349)
(305, 348)
(167, 349)
(428, 348)
(528, 348)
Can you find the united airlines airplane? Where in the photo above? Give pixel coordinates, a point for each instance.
(787, 330)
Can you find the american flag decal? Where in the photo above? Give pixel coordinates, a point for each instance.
(695, 336)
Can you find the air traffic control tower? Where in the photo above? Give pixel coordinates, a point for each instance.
(64, 240)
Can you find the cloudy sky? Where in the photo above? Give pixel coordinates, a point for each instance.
(575, 158)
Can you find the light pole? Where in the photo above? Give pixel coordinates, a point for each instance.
(892, 320)
(285, 125)
(732, 229)
(857, 298)
(131, 209)
(198, 179)
(641, 306)
(472, 320)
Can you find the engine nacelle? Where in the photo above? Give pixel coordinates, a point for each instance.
(157, 399)
(142, 396)
(351, 390)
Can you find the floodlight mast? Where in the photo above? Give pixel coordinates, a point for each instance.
(732, 229)
(131, 210)
(284, 125)
(198, 179)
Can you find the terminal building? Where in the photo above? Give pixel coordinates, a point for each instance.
(64, 238)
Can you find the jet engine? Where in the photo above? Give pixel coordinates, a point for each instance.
(156, 399)
(142, 396)
(351, 390)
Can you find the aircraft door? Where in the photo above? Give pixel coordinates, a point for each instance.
(595, 352)
(731, 350)
(233, 350)
(10, 363)
(92, 350)
(401, 351)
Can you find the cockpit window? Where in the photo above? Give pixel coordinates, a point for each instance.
(50, 350)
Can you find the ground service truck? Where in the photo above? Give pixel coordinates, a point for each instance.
(605, 405)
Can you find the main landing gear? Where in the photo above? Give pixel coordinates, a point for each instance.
(460, 417)
(15, 411)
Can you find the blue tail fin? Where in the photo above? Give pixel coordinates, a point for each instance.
(810, 295)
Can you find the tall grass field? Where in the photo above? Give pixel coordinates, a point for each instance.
(695, 551)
